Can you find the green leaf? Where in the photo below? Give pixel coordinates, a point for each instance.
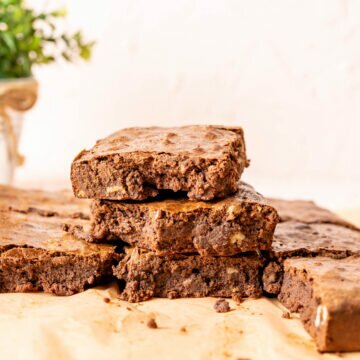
(30, 38)
(59, 13)
(66, 56)
(85, 53)
(9, 41)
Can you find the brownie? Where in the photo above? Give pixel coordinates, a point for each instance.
(326, 293)
(306, 212)
(240, 223)
(144, 275)
(37, 255)
(136, 163)
(294, 238)
(44, 203)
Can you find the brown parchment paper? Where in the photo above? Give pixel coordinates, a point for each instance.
(84, 326)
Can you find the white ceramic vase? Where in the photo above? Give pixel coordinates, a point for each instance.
(16, 97)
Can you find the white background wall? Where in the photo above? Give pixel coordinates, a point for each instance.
(288, 71)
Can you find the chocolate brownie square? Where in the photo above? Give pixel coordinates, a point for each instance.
(136, 163)
(61, 204)
(294, 238)
(240, 223)
(37, 255)
(326, 293)
(144, 275)
(307, 212)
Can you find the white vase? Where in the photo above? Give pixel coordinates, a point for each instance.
(7, 161)
(16, 96)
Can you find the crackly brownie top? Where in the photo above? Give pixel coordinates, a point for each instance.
(294, 237)
(245, 194)
(22, 226)
(307, 212)
(44, 203)
(201, 141)
(335, 281)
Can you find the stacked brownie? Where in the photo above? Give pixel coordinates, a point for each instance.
(191, 228)
(170, 217)
(315, 271)
(174, 196)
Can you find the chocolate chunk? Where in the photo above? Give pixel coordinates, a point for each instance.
(152, 324)
(286, 315)
(154, 159)
(326, 293)
(240, 223)
(222, 306)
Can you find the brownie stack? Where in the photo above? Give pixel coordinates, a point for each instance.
(174, 196)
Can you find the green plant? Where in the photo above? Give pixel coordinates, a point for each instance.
(28, 38)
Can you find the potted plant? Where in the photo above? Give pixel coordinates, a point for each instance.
(27, 38)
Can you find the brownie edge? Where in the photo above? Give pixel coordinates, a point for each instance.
(37, 255)
(326, 294)
(136, 163)
(59, 273)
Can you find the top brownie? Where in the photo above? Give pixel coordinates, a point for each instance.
(136, 163)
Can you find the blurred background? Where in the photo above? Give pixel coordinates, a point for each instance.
(287, 71)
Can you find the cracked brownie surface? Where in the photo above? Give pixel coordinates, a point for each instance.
(136, 163)
(37, 255)
(307, 212)
(301, 235)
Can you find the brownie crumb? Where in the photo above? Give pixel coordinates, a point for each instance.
(222, 306)
(106, 299)
(183, 329)
(129, 308)
(152, 324)
(286, 315)
(237, 298)
(80, 215)
(172, 295)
